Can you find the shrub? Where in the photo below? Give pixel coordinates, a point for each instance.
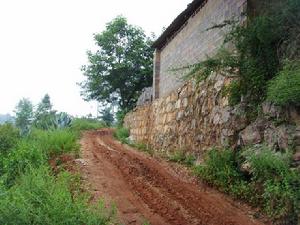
(275, 182)
(122, 135)
(9, 136)
(56, 142)
(260, 49)
(39, 198)
(284, 89)
(25, 155)
(220, 169)
(272, 184)
(265, 163)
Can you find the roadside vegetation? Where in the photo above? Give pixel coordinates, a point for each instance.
(264, 61)
(263, 65)
(35, 186)
(256, 175)
(269, 181)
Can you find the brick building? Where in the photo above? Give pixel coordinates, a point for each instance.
(188, 40)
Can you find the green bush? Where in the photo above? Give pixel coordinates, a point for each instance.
(271, 185)
(39, 198)
(56, 142)
(122, 135)
(25, 155)
(220, 169)
(265, 163)
(260, 48)
(9, 136)
(284, 89)
(275, 183)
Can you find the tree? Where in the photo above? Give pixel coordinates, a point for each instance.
(107, 116)
(44, 117)
(45, 105)
(121, 67)
(24, 115)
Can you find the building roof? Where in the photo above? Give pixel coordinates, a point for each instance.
(179, 21)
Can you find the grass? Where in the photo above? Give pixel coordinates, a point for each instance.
(32, 193)
(41, 198)
(122, 134)
(143, 147)
(271, 184)
(182, 157)
(81, 124)
(9, 135)
(56, 142)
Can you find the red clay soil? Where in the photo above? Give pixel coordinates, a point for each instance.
(146, 189)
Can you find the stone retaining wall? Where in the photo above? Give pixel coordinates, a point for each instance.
(193, 118)
(196, 118)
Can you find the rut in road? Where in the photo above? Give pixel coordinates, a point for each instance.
(145, 189)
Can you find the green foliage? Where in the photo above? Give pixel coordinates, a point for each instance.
(265, 163)
(40, 198)
(223, 61)
(62, 120)
(25, 155)
(120, 117)
(273, 179)
(272, 184)
(45, 117)
(122, 135)
(220, 169)
(81, 124)
(261, 47)
(9, 136)
(107, 116)
(182, 157)
(31, 194)
(284, 89)
(121, 67)
(24, 115)
(56, 142)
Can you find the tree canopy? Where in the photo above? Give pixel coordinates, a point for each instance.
(24, 115)
(121, 67)
(44, 115)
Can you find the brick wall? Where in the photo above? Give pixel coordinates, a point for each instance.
(193, 43)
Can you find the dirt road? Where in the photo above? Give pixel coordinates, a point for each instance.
(146, 189)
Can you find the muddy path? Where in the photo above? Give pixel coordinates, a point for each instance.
(146, 189)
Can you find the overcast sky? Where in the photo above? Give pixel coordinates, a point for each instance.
(43, 44)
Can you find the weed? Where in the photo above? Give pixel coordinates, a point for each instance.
(182, 157)
(220, 169)
(9, 136)
(40, 198)
(56, 142)
(26, 154)
(81, 124)
(143, 147)
(122, 135)
(272, 184)
(284, 89)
